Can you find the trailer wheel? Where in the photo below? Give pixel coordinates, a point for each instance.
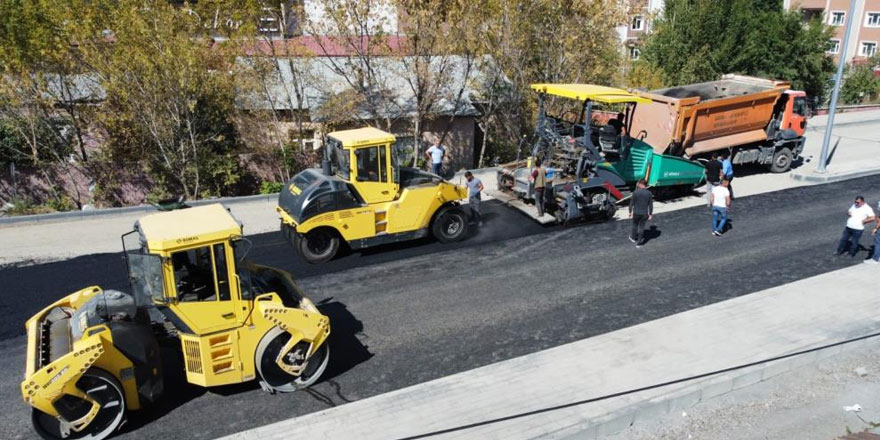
(450, 225)
(98, 385)
(276, 378)
(781, 160)
(317, 246)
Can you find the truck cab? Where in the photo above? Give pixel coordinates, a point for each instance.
(362, 196)
(792, 111)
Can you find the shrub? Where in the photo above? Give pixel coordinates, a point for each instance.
(271, 187)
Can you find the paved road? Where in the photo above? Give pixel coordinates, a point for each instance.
(404, 316)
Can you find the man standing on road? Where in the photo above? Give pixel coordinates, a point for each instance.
(539, 178)
(641, 209)
(727, 171)
(720, 199)
(876, 258)
(435, 156)
(475, 189)
(713, 176)
(860, 214)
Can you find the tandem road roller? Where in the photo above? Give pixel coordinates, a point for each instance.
(95, 354)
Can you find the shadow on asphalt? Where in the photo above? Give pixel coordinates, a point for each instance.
(651, 233)
(346, 352)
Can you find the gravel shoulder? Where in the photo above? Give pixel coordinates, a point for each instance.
(806, 403)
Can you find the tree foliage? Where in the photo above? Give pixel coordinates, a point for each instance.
(534, 41)
(698, 40)
(861, 84)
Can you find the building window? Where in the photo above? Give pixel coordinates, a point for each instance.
(833, 46)
(868, 49)
(634, 53)
(872, 19)
(638, 23)
(308, 139)
(836, 18)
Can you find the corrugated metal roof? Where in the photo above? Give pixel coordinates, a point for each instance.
(394, 96)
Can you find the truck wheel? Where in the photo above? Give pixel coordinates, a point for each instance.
(317, 246)
(781, 160)
(100, 386)
(450, 225)
(279, 380)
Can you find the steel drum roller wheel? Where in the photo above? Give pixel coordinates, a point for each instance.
(278, 379)
(100, 386)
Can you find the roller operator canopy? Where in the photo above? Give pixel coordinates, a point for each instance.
(584, 92)
(174, 229)
(362, 136)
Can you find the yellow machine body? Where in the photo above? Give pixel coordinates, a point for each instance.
(219, 322)
(371, 199)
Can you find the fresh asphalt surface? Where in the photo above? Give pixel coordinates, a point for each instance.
(407, 314)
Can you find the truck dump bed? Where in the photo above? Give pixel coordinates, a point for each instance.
(702, 117)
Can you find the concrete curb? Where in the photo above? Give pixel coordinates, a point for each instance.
(57, 217)
(690, 396)
(815, 177)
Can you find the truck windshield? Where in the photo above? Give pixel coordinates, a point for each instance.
(800, 105)
(145, 275)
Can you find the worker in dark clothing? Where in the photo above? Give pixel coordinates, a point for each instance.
(641, 209)
(713, 176)
(617, 123)
(539, 178)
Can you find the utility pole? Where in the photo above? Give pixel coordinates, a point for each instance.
(832, 109)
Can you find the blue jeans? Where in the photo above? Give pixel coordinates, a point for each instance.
(719, 218)
(435, 168)
(877, 247)
(849, 234)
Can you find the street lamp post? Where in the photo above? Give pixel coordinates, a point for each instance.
(832, 109)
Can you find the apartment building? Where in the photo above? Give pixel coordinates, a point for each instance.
(864, 35)
(641, 13)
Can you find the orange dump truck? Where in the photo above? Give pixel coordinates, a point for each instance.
(756, 120)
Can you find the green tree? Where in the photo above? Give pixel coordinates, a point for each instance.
(533, 41)
(170, 96)
(860, 84)
(698, 40)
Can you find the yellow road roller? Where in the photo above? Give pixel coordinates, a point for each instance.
(363, 197)
(94, 355)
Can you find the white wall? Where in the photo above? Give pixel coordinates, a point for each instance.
(382, 17)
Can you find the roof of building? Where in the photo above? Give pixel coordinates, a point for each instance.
(319, 79)
(362, 136)
(170, 230)
(583, 92)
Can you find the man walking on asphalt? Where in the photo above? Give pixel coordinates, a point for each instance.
(641, 209)
(435, 156)
(713, 176)
(539, 178)
(727, 171)
(860, 214)
(475, 189)
(720, 199)
(876, 258)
